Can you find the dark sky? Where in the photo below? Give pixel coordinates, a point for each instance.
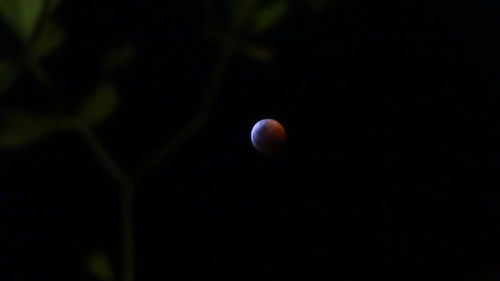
(391, 169)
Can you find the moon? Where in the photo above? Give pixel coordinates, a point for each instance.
(268, 136)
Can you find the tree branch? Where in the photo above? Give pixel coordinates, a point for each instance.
(200, 119)
(127, 196)
(127, 187)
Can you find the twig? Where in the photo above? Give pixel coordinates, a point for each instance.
(127, 187)
(127, 200)
(200, 119)
(39, 72)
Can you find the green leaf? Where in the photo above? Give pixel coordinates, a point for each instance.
(20, 129)
(259, 53)
(50, 38)
(99, 265)
(241, 12)
(8, 73)
(318, 5)
(269, 15)
(52, 5)
(98, 106)
(119, 57)
(22, 16)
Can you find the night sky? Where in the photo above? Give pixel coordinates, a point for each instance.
(391, 169)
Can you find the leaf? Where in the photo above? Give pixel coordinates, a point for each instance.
(22, 16)
(318, 5)
(260, 53)
(52, 5)
(241, 12)
(20, 129)
(269, 15)
(8, 73)
(51, 37)
(98, 106)
(119, 56)
(98, 264)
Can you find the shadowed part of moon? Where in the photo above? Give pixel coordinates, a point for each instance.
(268, 136)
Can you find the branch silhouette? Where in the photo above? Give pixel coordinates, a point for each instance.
(200, 119)
(114, 170)
(127, 183)
(127, 200)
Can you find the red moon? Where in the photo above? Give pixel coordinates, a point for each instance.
(268, 136)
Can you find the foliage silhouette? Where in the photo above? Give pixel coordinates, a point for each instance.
(34, 24)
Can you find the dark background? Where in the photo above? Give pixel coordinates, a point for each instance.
(390, 170)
